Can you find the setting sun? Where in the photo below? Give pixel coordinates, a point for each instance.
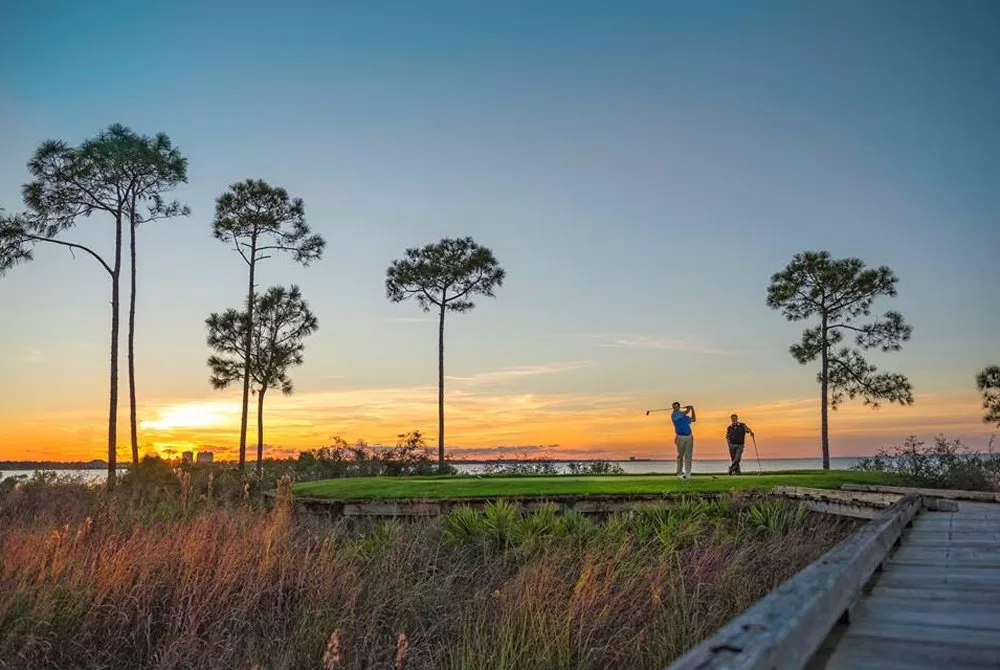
(193, 415)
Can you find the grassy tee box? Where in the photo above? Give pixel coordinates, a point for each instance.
(357, 488)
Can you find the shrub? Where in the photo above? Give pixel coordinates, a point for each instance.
(944, 464)
(521, 466)
(775, 517)
(409, 457)
(596, 467)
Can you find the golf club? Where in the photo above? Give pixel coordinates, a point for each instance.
(662, 409)
(754, 438)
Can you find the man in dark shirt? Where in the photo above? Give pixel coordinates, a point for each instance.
(736, 435)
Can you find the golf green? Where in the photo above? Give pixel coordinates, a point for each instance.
(469, 486)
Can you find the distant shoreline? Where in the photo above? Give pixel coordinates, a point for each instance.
(56, 465)
(27, 466)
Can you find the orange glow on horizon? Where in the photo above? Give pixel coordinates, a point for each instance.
(481, 425)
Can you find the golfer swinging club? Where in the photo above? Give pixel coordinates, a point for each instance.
(684, 439)
(736, 435)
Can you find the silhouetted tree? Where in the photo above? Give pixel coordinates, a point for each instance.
(154, 167)
(259, 220)
(988, 383)
(14, 245)
(103, 175)
(838, 293)
(281, 320)
(444, 275)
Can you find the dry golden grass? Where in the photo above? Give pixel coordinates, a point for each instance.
(206, 587)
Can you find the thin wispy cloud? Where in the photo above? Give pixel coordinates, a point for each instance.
(33, 356)
(689, 344)
(520, 372)
(408, 319)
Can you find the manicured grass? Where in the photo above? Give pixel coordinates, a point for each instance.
(352, 488)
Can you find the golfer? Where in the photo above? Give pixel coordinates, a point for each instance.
(736, 435)
(684, 439)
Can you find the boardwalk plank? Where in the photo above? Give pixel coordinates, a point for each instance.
(955, 579)
(947, 557)
(945, 636)
(955, 613)
(942, 593)
(861, 652)
(927, 542)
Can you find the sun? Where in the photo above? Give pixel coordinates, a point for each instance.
(192, 415)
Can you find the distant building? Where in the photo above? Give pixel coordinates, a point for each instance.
(187, 456)
(204, 456)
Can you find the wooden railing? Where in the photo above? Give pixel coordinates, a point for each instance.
(786, 627)
(978, 496)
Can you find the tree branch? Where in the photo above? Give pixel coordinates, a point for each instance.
(431, 299)
(240, 251)
(72, 245)
(471, 285)
(850, 372)
(848, 327)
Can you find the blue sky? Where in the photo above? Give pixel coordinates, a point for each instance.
(640, 169)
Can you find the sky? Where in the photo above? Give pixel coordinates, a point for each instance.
(640, 169)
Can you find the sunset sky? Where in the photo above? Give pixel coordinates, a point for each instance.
(639, 168)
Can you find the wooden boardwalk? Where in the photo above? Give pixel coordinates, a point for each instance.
(936, 601)
(916, 587)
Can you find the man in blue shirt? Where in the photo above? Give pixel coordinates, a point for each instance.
(684, 439)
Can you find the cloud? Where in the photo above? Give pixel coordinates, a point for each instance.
(689, 344)
(34, 356)
(408, 319)
(506, 374)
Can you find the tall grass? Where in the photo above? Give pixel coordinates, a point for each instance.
(211, 586)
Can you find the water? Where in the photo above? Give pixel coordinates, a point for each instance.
(666, 466)
(88, 476)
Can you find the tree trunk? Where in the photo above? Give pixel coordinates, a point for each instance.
(260, 431)
(113, 399)
(441, 391)
(824, 399)
(247, 346)
(131, 344)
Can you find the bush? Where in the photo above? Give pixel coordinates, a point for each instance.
(775, 517)
(409, 457)
(598, 467)
(521, 466)
(945, 464)
(47, 499)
